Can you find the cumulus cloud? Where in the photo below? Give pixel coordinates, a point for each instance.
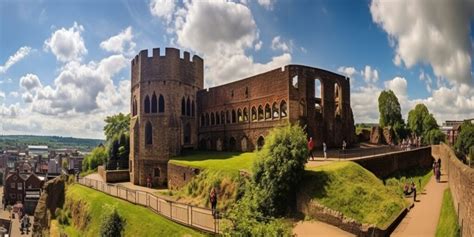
(348, 71)
(67, 44)
(30, 82)
(120, 43)
(370, 76)
(18, 56)
(162, 8)
(398, 85)
(222, 46)
(424, 32)
(267, 4)
(278, 44)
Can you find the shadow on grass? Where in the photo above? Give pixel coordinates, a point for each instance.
(319, 180)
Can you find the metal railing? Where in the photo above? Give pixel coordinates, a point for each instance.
(185, 214)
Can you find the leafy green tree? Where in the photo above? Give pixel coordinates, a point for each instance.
(279, 169)
(416, 117)
(434, 136)
(389, 109)
(112, 223)
(97, 157)
(429, 123)
(465, 139)
(116, 125)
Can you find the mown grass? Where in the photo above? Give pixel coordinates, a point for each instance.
(419, 176)
(224, 161)
(140, 221)
(448, 222)
(354, 191)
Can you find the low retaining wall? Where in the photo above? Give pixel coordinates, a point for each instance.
(179, 175)
(113, 176)
(461, 183)
(383, 165)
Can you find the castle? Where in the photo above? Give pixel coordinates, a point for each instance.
(171, 110)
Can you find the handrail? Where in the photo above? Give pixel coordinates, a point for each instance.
(183, 213)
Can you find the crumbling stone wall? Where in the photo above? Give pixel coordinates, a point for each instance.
(51, 198)
(179, 175)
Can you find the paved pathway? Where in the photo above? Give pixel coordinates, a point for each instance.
(15, 231)
(317, 228)
(422, 219)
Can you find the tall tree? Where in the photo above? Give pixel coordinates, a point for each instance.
(465, 139)
(116, 125)
(389, 109)
(416, 117)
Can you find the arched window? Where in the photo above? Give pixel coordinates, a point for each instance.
(337, 99)
(268, 112)
(275, 110)
(283, 109)
(161, 104)
(134, 106)
(154, 103)
(213, 119)
(147, 104)
(188, 107)
(233, 116)
(148, 133)
(192, 108)
(317, 88)
(203, 120)
(260, 142)
(246, 115)
(239, 116)
(183, 107)
(187, 133)
(222, 117)
(232, 144)
(260, 112)
(227, 116)
(254, 113)
(218, 119)
(207, 119)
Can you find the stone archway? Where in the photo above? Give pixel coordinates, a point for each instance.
(260, 142)
(244, 144)
(232, 144)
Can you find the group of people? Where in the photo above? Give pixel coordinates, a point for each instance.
(437, 170)
(311, 148)
(409, 189)
(24, 224)
(410, 142)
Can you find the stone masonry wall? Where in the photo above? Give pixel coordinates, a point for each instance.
(179, 176)
(461, 183)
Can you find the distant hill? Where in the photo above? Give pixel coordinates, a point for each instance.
(55, 142)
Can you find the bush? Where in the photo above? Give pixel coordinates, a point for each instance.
(279, 168)
(112, 223)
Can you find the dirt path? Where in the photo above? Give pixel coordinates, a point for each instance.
(317, 228)
(423, 218)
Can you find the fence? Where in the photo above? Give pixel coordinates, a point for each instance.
(196, 217)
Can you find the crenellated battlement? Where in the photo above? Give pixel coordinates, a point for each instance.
(173, 65)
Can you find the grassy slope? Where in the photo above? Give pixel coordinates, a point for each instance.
(397, 181)
(447, 223)
(354, 191)
(140, 221)
(224, 161)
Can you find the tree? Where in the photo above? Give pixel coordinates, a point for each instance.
(465, 139)
(429, 123)
(112, 223)
(279, 168)
(434, 136)
(416, 117)
(97, 157)
(389, 109)
(116, 125)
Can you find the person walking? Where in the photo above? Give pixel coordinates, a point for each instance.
(413, 190)
(344, 144)
(213, 201)
(438, 173)
(439, 163)
(324, 150)
(148, 181)
(310, 147)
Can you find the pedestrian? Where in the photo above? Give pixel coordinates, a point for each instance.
(344, 144)
(324, 150)
(148, 181)
(413, 190)
(438, 174)
(434, 167)
(439, 163)
(213, 201)
(310, 147)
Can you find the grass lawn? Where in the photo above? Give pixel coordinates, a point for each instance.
(448, 221)
(356, 192)
(225, 161)
(140, 221)
(397, 181)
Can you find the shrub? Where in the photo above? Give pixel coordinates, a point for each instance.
(112, 223)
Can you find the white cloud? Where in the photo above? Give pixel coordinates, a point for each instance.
(222, 46)
(278, 44)
(370, 76)
(348, 71)
(267, 4)
(162, 8)
(258, 45)
(67, 44)
(398, 85)
(427, 79)
(19, 55)
(30, 82)
(120, 43)
(424, 32)
(364, 103)
(14, 94)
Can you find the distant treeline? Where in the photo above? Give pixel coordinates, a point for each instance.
(54, 142)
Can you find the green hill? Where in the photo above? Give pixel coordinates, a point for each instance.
(354, 191)
(86, 207)
(55, 142)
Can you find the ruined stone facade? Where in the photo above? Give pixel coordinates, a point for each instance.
(171, 111)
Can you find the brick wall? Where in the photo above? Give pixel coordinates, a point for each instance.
(179, 176)
(461, 183)
(383, 165)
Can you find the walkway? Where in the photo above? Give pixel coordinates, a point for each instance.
(317, 228)
(422, 219)
(15, 231)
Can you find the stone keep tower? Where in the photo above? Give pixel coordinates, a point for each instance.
(164, 111)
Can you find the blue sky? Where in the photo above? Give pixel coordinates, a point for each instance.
(56, 53)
